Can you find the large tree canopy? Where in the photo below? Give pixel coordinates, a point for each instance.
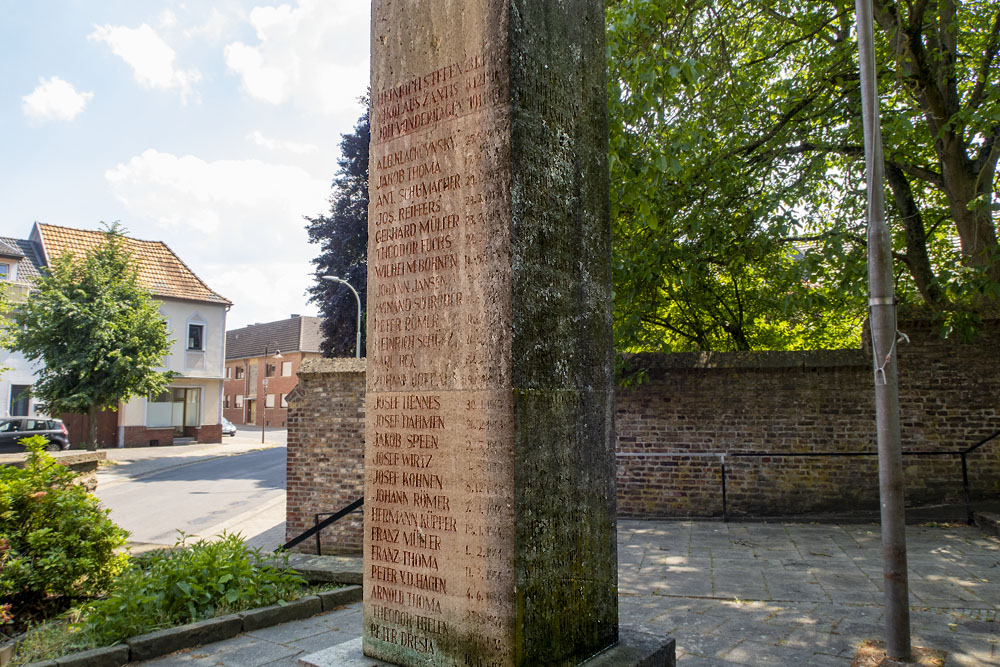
(342, 235)
(98, 333)
(738, 171)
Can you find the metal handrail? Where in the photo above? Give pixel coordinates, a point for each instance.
(963, 453)
(315, 530)
(982, 442)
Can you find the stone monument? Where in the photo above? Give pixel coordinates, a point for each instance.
(490, 529)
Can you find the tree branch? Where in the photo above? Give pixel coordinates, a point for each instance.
(917, 259)
(993, 45)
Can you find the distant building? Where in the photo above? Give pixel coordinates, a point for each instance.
(256, 387)
(19, 263)
(191, 407)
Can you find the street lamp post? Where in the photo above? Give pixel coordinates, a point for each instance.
(357, 343)
(263, 395)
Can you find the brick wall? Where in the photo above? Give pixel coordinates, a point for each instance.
(693, 408)
(326, 430)
(673, 429)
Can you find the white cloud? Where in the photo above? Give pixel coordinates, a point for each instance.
(55, 100)
(206, 197)
(237, 223)
(260, 293)
(151, 59)
(213, 28)
(168, 19)
(311, 54)
(278, 145)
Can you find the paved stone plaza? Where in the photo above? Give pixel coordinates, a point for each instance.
(745, 594)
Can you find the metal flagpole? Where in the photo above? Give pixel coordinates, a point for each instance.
(882, 316)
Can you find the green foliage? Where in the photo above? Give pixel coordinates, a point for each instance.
(737, 167)
(58, 541)
(98, 334)
(188, 583)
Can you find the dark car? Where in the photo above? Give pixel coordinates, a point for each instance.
(227, 427)
(13, 429)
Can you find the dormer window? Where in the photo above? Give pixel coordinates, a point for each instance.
(196, 337)
(4, 271)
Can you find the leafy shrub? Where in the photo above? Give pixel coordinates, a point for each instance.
(55, 537)
(188, 583)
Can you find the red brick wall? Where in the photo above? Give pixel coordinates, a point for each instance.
(326, 431)
(694, 408)
(673, 430)
(141, 436)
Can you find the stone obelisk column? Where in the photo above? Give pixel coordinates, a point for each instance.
(489, 461)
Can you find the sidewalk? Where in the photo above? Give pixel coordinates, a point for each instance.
(743, 594)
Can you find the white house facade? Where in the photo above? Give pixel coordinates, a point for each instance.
(191, 407)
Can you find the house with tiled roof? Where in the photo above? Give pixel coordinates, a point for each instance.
(262, 364)
(19, 263)
(191, 407)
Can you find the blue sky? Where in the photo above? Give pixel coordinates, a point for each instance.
(211, 126)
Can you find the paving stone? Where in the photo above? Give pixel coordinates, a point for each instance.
(281, 613)
(670, 591)
(155, 644)
(110, 656)
(245, 651)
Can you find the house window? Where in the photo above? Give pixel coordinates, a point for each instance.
(229, 372)
(269, 371)
(159, 409)
(196, 337)
(269, 401)
(239, 372)
(284, 400)
(286, 369)
(239, 400)
(4, 270)
(227, 402)
(19, 400)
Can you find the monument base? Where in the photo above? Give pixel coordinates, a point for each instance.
(635, 648)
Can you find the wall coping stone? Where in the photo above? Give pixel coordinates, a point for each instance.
(851, 358)
(323, 366)
(66, 458)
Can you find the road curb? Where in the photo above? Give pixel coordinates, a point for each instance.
(161, 642)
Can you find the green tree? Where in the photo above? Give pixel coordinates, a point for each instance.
(98, 334)
(737, 166)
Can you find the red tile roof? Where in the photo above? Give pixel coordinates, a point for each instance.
(160, 270)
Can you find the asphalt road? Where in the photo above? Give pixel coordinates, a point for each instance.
(196, 498)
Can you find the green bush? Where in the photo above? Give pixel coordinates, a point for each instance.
(55, 539)
(188, 583)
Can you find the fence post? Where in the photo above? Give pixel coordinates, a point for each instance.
(725, 508)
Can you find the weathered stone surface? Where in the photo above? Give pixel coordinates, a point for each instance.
(109, 656)
(635, 648)
(490, 509)
(161, 642)
(280, 613)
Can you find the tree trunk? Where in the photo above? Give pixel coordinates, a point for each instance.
(92, 414)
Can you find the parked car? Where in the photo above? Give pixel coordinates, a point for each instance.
(13, 429)
(228, 428)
